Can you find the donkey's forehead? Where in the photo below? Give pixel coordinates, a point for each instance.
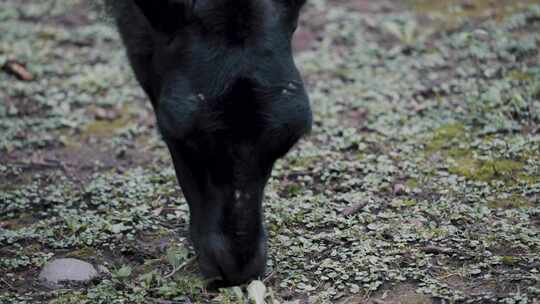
(236, 20)
(221, 3)
(251, 8)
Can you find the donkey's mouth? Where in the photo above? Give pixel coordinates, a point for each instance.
(215, 283)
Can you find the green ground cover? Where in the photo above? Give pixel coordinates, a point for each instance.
(420, 181)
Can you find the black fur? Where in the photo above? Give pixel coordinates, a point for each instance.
(229, 102)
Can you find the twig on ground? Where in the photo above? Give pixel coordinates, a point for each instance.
(18, 70)
(6, 282)
(436, 250)
(269, 277)
(175, 270)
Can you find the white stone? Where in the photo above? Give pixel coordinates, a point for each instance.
(69, 269)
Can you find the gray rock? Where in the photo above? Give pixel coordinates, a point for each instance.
(71, 270)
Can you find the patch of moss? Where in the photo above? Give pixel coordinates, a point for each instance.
(302, 162)
(509, 260)
(23, 220)
(32, 249)
(444, 135)
(528, 155)
(398, 203)
(104, 128)
(459, 152)
(501, 167)
(485, 170)
(528, 179)
(452, 11)
(411, 183)
(85, 252)
(512, 202)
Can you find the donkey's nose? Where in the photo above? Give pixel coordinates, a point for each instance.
(228, 261)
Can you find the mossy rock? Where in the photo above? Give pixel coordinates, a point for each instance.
(293, 189)
(453, 12)
(104, 127)
(520, 76)
(302, 162)
(459, 152)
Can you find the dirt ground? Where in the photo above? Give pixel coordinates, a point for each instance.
(419, 183)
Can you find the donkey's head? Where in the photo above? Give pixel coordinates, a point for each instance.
(229, 102)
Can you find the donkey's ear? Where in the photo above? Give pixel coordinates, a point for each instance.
(166, 16)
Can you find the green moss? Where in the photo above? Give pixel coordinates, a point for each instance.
(385, 187)
(452, 11)
(530, 155)
(85, 252)
(435, 233)
(23, 220)
(104, 128)
(443, 136)
(73, 297)
(412, 183)
(302, 162)
(528, 179)
(485, 170)
(512, 202)
(183, 285)
(509, 260)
